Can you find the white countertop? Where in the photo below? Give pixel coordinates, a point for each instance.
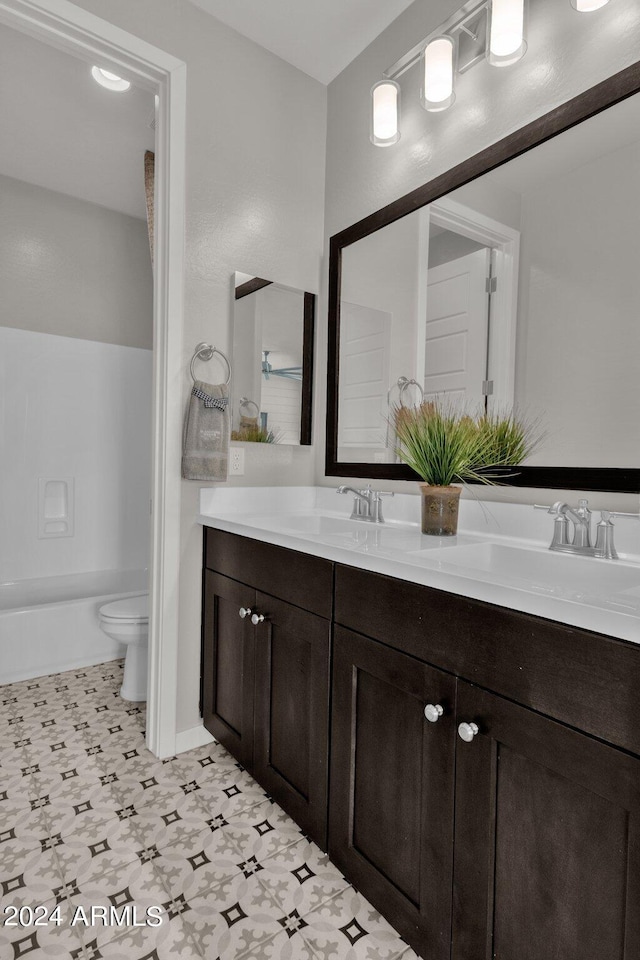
(500, 554)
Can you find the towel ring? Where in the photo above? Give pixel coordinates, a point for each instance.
(204, 351)
(245, 402)
(403, 383)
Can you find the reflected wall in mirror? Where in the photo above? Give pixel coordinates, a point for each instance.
(272, 361)
(518, 283)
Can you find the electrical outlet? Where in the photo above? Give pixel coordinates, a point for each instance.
(236, 461)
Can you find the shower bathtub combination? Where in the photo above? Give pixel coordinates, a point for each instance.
(51, 624)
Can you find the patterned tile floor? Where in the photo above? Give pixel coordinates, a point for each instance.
(89, 818)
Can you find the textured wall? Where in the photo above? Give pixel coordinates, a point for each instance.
(568, 53)
(73, 268)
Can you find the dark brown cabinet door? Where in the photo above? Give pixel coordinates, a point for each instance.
(292, 711)
(228, 665)
(547, 851)
(392, 774)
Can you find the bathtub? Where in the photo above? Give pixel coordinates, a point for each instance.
(51, 624)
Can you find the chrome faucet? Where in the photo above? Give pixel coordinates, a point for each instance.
(580, 543)
(367, 504)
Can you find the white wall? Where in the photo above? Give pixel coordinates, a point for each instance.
(255, 158)
(567, 54)
(578, 330)
(73, 268)
(80, 409)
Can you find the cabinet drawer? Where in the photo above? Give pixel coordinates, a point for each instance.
(562, 671)
(298, 578)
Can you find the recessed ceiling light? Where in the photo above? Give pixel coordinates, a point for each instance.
(109, 80)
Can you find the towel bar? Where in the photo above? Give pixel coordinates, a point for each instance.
(204, 351)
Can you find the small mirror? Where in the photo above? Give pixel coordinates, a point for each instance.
(272, 362)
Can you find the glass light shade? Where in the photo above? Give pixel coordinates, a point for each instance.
(437, 60)
(385, 105)
(506, 32)
(109, 80)
(586, 6)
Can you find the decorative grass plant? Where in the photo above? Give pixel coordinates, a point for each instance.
(445, 445)
(255, 434)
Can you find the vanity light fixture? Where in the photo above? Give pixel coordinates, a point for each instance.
(109, 80)
(506, 32)
(586, 6)
(385, 107)
(479, 31)
(437, 91)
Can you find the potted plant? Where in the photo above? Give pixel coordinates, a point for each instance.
(446, 447)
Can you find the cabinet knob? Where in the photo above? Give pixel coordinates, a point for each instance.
(244, 612)
(433, 712)
(467, 731)
(257, 618)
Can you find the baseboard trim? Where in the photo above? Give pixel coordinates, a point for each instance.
(193, 737)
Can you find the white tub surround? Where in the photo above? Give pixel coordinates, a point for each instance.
(500, 554)
(76, 455)
(51, 624)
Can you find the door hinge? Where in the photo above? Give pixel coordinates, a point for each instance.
(487, 388)
(492, 284)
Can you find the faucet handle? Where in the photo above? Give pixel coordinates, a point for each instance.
(553, 509)
(604, 533)
(384, 493)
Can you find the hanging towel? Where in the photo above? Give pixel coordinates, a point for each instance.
(205, 447)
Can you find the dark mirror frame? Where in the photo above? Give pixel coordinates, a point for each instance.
(588, 104)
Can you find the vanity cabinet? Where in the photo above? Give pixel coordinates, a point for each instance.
(547, 839)
(266, 683)
(503, 822)
(538, 816)
(391, 811)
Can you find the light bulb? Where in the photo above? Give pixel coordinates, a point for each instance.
(109, 80)
(437, 91)
(385, 97)
(506, 32)
(586, 6)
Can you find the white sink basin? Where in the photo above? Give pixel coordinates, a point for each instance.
(352, 534)
(543, 570)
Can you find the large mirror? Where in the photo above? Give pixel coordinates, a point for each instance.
(272, 361)
(511, 280)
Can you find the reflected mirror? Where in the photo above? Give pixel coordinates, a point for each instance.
(518, 286)
(272, 362)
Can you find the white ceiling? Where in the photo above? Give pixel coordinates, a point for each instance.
(61, 130)
(320, 37)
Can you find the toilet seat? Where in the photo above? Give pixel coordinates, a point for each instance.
(129, 610)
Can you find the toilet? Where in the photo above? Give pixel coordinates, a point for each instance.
(128, 621)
